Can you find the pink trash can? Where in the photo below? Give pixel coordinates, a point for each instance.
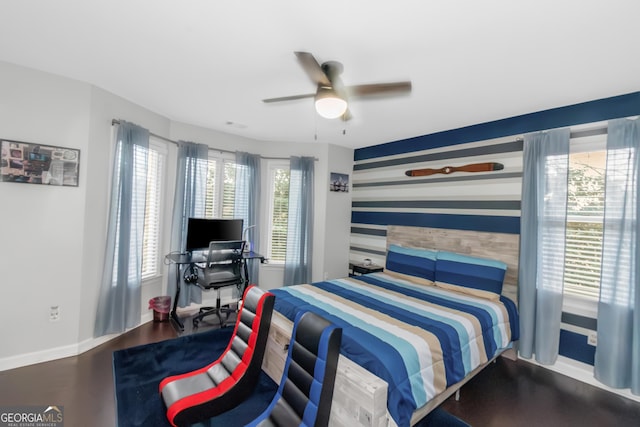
(161, 306)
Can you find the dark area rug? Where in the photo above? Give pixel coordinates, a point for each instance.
(441, 418)
(137, 372)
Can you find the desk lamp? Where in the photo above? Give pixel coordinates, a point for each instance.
(247, 245)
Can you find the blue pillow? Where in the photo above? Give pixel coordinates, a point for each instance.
(468, 272)
(412, 262)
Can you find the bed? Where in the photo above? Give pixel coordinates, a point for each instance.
(412, 334)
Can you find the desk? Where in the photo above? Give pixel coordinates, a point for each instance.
(186, 258)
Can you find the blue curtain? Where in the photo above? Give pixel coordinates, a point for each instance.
(617, 359)
(297, 265)
(247, 204)
(542, 242)
(119, 304)
(190, 193)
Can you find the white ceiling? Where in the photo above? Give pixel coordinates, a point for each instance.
(208, 63)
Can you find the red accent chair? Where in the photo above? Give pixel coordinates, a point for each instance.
(225, 383)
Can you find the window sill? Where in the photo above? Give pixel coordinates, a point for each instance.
(582, 306)
(150, 280)
(272, 265)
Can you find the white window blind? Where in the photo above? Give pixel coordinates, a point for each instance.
(221, 188)
(152, 217)
(585, 213)
(229, 190)
(210, 209)
(279, 211)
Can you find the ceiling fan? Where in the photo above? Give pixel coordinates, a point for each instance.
(331, 96)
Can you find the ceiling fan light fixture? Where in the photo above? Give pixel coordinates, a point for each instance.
(328, 104)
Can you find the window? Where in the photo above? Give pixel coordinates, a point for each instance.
(585, 214)
(278, 211)
(153, 207)
(221, 187)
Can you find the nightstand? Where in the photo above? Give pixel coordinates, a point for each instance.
(358, 268)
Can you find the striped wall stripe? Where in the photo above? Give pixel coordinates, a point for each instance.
(369, 231)
(580, 321)
(497, 224)
(501, 190)
(507, 147)
(575, 346)
(443, 180)
(445, 148)
(471, 192)
(369, 242)
(448, 204)
(575, 329)
(382, 252)
(469, 212)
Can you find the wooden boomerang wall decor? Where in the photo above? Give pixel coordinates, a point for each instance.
(476, 167)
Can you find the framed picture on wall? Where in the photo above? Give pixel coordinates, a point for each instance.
(339, 182)
(30, 163)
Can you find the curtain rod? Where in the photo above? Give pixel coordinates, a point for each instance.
(220, 150)
(117, 122)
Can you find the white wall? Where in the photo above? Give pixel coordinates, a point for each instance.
(42, 242)
(337, 224)
(52, 238)
(52, 245)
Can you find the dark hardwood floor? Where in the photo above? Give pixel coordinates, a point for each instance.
(506, 393)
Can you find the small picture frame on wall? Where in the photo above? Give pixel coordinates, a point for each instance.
(339, 182)
(31, 163)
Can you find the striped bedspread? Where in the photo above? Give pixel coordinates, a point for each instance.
(420, 339)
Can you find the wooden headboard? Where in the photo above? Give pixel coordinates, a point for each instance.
(501, 246)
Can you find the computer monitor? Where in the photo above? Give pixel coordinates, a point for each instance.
(201, 231)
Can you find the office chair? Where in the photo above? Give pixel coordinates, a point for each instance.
(306, 388)
(223, 268)
(225, 383)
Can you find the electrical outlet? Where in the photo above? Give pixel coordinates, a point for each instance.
(54, 313)
(592, 338)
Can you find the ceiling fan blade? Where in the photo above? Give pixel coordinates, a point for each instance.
(312, 68)
(476, 167)
(289, 98)
(379, 89)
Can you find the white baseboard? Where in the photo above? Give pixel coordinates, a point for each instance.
(26, 359)
(581, 372)
(48, 355)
